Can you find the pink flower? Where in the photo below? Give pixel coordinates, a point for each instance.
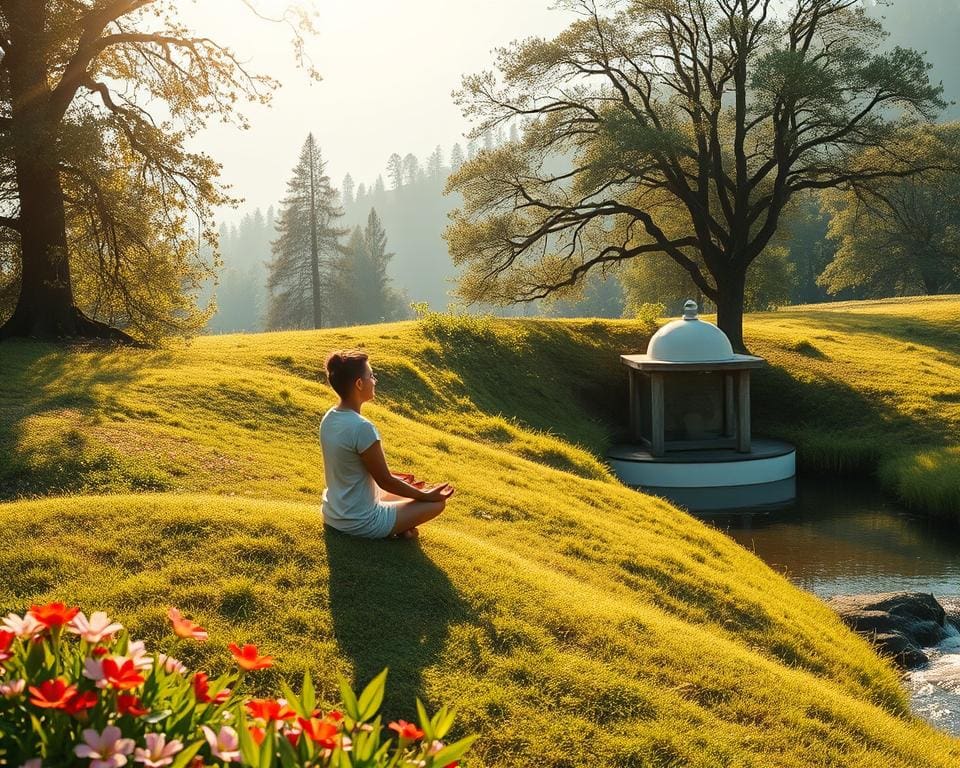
(224, 746)
(34, 762)
(21, 626)
(137, 653)
(106, 750)
(171, 665)
(13, 689)
(98, 627)
(93, 670)
(158, 753)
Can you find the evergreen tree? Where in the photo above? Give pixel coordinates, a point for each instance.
(348, 190)
(361, 192)
(435, 163)
(366, 284)
(395, 171)
(456, 156)
(378, 187)
(411, 169)
(306, 249)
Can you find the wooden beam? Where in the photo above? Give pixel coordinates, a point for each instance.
(657, 446)
(743, 411)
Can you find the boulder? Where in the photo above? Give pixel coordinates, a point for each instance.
(900, 624)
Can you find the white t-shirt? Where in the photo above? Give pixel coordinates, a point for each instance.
(351, 494)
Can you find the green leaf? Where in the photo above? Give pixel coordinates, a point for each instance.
(308, 695)
(183, 759)
(293, 700)
(453, 752)
(372, 696)
(156, 717)
(349, 700)
(248, 747)
(443, 722)
(425, 722)
(288, 755)
(268, 749)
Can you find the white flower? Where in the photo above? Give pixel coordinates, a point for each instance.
(98, 627)
(93, 670)
(12, 689)
(137, 653)
(21, 626)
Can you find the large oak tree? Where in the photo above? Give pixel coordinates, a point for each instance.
(98, 99)
(676, 127)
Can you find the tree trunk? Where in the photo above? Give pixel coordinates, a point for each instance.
(314, 242)
(730, 295)
(45, 307)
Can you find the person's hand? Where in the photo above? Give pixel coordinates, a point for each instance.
(405, 476)
(439, 493)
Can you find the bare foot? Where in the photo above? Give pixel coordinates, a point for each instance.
(411, 533)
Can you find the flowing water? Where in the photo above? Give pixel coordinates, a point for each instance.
(845, 538)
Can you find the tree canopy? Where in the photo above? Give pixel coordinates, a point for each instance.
(100, 197)
(674, 127)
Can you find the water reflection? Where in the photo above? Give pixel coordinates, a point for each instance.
(845, 537)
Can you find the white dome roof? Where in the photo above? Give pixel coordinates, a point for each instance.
(689, 340)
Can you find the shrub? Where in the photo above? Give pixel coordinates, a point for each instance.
(78, 691)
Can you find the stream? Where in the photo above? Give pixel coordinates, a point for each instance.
(844, 537)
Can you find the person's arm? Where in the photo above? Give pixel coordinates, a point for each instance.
(376, 464)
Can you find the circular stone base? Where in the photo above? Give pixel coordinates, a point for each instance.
(769, 461)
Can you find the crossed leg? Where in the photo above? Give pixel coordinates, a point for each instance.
(412, 513)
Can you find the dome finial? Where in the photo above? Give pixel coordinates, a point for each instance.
(690, 310)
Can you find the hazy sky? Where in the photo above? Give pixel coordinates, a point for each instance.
(388, 68)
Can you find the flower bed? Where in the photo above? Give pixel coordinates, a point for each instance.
(76, 690)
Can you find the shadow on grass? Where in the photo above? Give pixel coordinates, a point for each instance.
(39, 379)
(391, 606)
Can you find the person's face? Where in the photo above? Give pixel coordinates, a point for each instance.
(367, 384)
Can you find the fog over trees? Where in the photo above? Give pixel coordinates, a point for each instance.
(810, 260)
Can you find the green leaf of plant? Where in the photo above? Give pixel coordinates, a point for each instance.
(453, 752)
(293, 700)
(425, 722)
(349, 700)
(372, 696)
(443, 722)
(156, 717)
(183, 759)
(268, 749)
(309, 694)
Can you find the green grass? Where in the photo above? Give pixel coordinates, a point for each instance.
(572, 621)
(868, 387)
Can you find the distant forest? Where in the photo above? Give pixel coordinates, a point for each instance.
(408, 198)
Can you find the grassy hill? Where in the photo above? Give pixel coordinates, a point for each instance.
(572, 621)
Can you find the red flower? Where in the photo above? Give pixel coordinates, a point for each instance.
(52, 694)
(6, 640)
(335, 716)
(248, 658)
(257, 734)
(201, 689)
(124, 676)
(320, 732)
(185, 628)
(81, 702)
(99, 651)
(406, 730)
(53, 614)
(128, 704)
(269, 710)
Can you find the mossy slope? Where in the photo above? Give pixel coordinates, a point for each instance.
(573, 621)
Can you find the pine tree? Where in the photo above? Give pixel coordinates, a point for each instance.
(411, 169)
(435, 163)
(371, 299)
(348, 190)
(306, 249)
(456, 156)
(395, 171)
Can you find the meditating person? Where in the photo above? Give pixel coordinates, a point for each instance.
(363, 497)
